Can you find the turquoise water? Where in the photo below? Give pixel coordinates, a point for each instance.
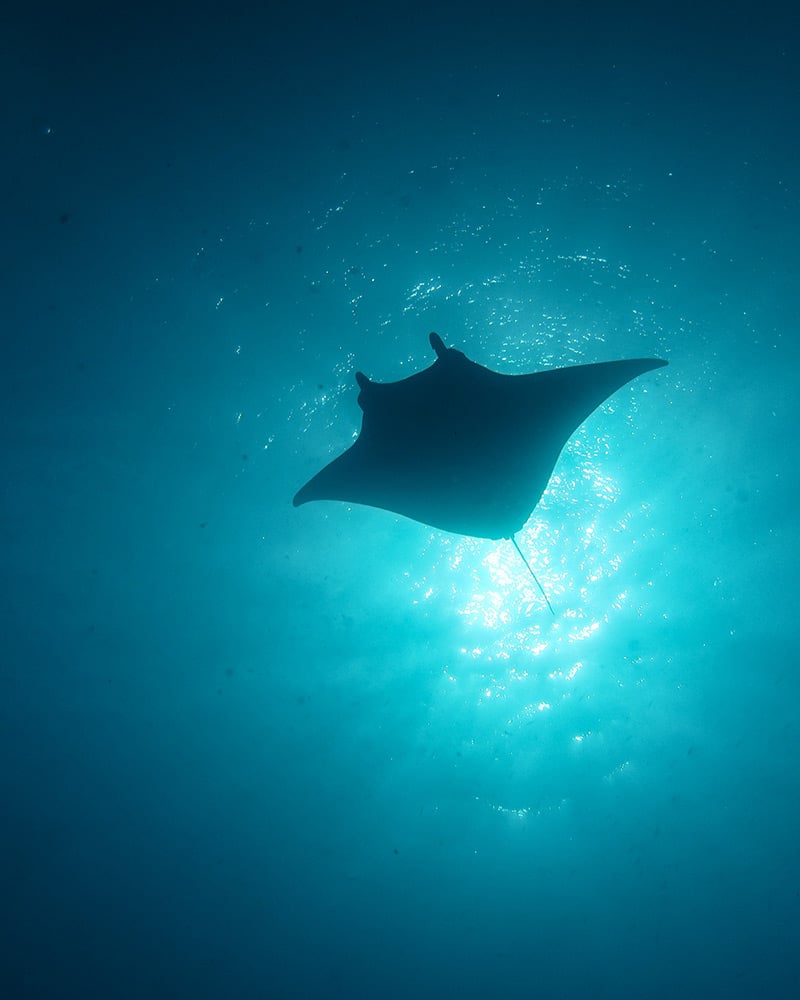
(255, 751)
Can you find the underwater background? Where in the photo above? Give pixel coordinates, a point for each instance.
(255, 751)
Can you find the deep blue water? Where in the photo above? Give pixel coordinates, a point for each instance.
(255, 751)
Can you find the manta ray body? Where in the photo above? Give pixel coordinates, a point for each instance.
(460, 447)
(463, 448)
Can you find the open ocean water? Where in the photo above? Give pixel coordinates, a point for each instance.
(251, 751)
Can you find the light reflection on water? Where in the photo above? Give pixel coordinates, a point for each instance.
(523, 696)
(575, 549)
(530, 689)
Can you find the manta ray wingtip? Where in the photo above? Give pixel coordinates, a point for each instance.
(438, 345)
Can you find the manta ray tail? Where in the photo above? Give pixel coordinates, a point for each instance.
(541, 588)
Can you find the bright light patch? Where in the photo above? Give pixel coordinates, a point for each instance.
(624, 768)
(579, 635)
(567, 675)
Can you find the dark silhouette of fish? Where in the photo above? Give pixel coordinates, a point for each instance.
(463, 448)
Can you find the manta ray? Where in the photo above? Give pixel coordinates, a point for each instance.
(463, 448)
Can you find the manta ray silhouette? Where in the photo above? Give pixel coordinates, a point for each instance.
(463, 448)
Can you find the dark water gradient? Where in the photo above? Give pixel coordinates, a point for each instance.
(249, 751)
